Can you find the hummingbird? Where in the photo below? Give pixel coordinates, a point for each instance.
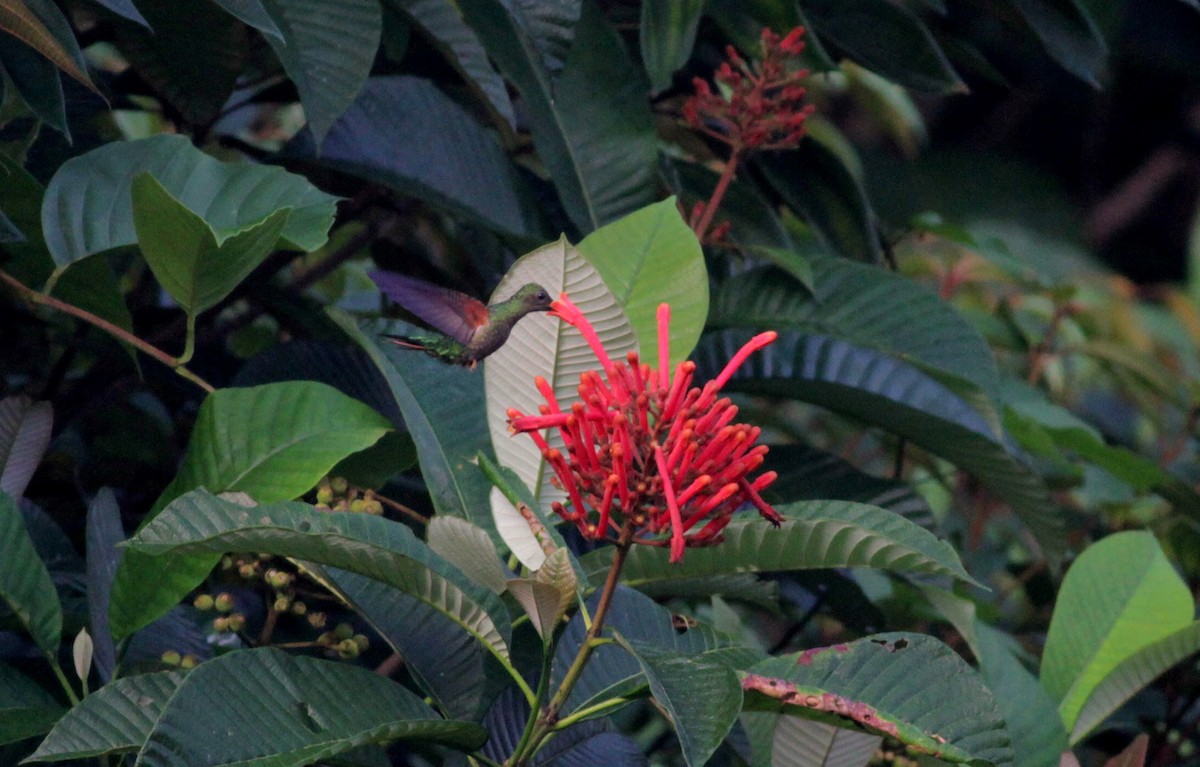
(468, 329)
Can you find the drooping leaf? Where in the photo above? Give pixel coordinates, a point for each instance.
(700, 697)
(443, 409)
(813, 181)
(43, 27)
(252, 13)
(880, 390)
(25, 428)
(197, 79)
(469, 548)
(1121, 597)
(87, 207)
(442, 21)
(125, 8)
(273, 442)
(25, 585)
(817, 534)
(667, 34)
(26, 709)
(591, 122)
(404, 133)
(541, 602)
(104, 532)
(386, 551)
(327, 50)
(1069, 34)
(908, 686)
(885, 38)
(541, 345)
(196, 265)
(651, 257)
(448, 662)
(866, 306)
(36, 79)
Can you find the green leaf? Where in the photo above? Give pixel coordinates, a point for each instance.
(197, 79)
(648, 258)
(753, 218)
(817, 534)
(887, 39)
(25, 584)
(866, 306)
(327, 50)
(1120, 596)
(700, 697)
(404, 133)
(789, 741)
(541, 345)
(197, 266)
(104, 532)
(443, 410)
(253, 14)
(442, 22)
(814, 182)
(87, 208)
(910, 687)
(469, 548)
(1036, 731)
(26, 709)
(42, 26)
(386, 551)
(1069, 34)
(668, 32)
(273, 442)
(25, 428)
(35, 78)
(591, 124)
(116, 719)
(879, 390)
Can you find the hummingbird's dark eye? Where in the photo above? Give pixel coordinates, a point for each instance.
(542, 296)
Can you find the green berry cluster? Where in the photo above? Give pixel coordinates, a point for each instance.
(343, 642)
(336, 494)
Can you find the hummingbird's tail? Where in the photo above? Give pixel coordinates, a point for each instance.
(406, 341)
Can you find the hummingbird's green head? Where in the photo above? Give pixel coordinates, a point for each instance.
(532, 298)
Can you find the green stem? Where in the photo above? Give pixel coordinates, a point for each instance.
(544, 723)
(189, 342)
(113, 330)
(62, 679)
(590, 711)
(543, 687)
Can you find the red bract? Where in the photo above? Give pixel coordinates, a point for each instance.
(762, 104)
(646, 448)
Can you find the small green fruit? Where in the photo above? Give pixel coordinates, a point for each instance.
(189, 661)
(343, 631)
(171, 658)
(281, 604)
(324, 494)
(221, 624)
(362, 642)
(223, 602)
(316, 620)
(203, 602)
(299, 608)
(347, 649)
(237, 622)
(339, 484)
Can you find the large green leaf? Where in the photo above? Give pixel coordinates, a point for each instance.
(699, 696)
(865, 305)
(817, 534)
(196, 265)
(36, 79)
(25, 428)
(882, 391)
(1069, 34)
(443, 410)
(591, 123)
(648, 258)
(777, 740)
(116, 719)
(25, 708)
(282, 710)
(814, 182)
(1121, 596)
(908, 686)
(25, 584)
(404, 133)
(442, 21)
(87, 207)
(667, 34)
(273, 442)
(886, 38)
(378, 548)
(541, 345)
(327, 50)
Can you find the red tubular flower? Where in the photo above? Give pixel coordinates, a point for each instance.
(647, 449)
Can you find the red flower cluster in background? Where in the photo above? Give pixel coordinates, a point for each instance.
(647, 449)
(761, 104)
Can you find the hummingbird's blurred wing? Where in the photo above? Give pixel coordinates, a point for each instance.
(453, 313)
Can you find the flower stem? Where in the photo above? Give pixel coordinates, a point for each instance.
(113, 330)
(544, 723)
(714, 202)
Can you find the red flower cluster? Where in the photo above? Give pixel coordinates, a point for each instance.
(761, 107)
(647, 449)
